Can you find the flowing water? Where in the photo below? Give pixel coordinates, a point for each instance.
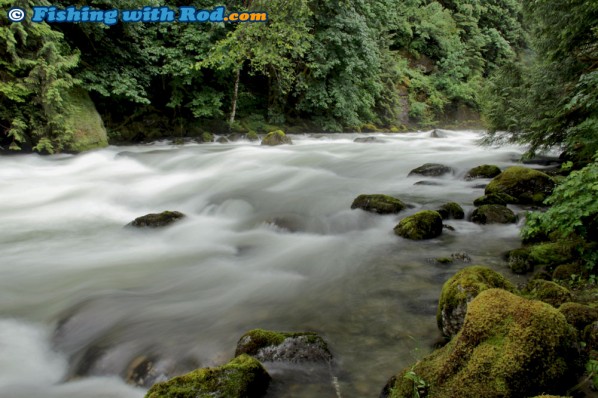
(269, 241)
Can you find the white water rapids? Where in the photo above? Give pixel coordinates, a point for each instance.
(269, 241)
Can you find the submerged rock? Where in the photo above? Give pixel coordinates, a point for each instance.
(425, 224)
(431, 170)
(459, 290)
(270, 346)
(527, 186)
(483, 171)
(429, 183)
(381, 204)
(277, 137)
(368, 140)
(451, 210)
(243, 377)
(548, 292)
(156, 220)
(509, 347)
(493, 214)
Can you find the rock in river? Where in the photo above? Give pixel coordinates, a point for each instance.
(156, 220)
(483, 171)
(493, 214)
(431, 170)
(381, 204)
(277, 137)
(425, 224)
(527, 186)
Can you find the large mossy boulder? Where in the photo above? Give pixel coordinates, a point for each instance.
(84, 121)
(243, 377)
(272, 346)
(548, 292)
(509, 347)
(451, 210)
(277, 137)
(459, 290)
(431, 170)
(527, 186)
(483, 171)
(426, 224)
(156, 220)
(381, 204)
(493, 214)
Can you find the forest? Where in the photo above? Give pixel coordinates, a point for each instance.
(524, 72)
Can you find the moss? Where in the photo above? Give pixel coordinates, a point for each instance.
(85, 122)
(451, 210)
(494, 199)
(444, 260)
(207, 137)
(568, 272)
(156, 220)
(527, 186)
(548, 255)
(548, 292)
(519, 260)
(243, 377)
(369, 128)
(493, 214)
(579, 315)
(267, 345)
(509, 347)
(277, 137)
(459, 290)
(425, 224)
(483, 171)
(381, 204)
(252, 136)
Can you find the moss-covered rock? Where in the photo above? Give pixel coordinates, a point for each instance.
(519, 260)
(222, 140)
(381, 204)
(493, 214)
(84, 121)
(459, 290)
(425, 224)
(483, 171)
(271, 346)
(548, 255)
(206, 137)
(548, 292)
(451, 210)
(277, 137)
(568, 272)
(579, 315)
(527, 186)
(252, 136)
(509, 347)
(156, 220)
(494, 199)
(243, 377)
(431, 170)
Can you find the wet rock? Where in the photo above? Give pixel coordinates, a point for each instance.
(425, 224)
(243, 377)
(459, 290)
(494, 199)
(252, 136)
(437, 134)
(429, 183)
(271, 346)
(451, 210)
(156, 220)
(381, 204)
(206, 137)
(368, 140)
(493, 214)
(484, 171)
(448, 227)
(235, 137)
(222, 140)
(277, 137)
(431, 170)
(461, 256)
(548, 292)
(527, 186)
(509, 347)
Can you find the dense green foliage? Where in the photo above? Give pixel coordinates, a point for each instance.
(315, 63)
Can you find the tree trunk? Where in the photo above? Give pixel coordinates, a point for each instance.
(235, 95)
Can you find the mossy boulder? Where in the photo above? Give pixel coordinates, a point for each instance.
(381, 204)
(579, 315)
(509, 347)
(527, 186)
(493, 214)
(206, 137)
(222, 140)
(425, 224)
(84, 121)
(252, 136)
(451, 210)
(483, 171)
(431, 170)
(494, 199)
(277, 137)
(243, 377)
(459, 290)
(271, 346)
(548, 292)
(156, 220)
(568, 272)
(548, 255)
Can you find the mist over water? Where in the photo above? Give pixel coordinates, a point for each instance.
(269, 241)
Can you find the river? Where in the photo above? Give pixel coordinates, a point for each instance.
(269, 241)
